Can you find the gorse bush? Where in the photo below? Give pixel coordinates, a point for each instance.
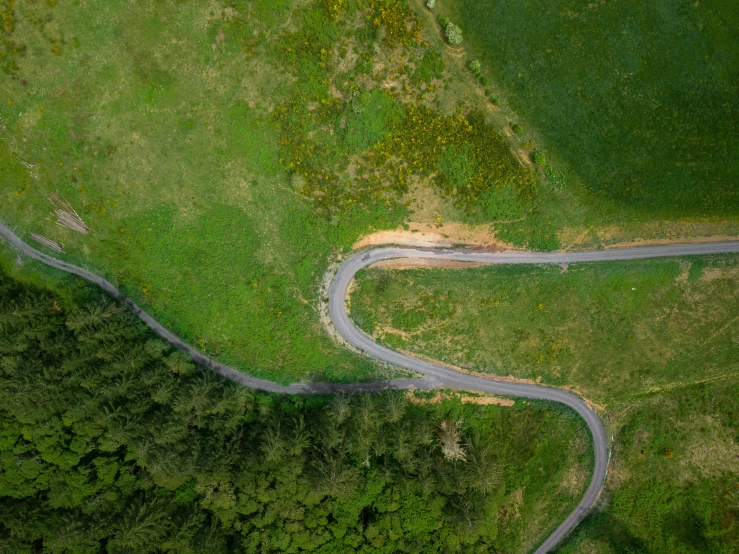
(474, 66)
(416, 145)
(366, 149)
(400, 23)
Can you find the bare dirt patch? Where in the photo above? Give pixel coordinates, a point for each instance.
(488, 400)
(421, 263)
(482, 400)
(433, 236)
(676, 240)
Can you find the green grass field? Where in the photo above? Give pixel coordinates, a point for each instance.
(673, 480)
(636, 100)
(652, 343)
(153, 123)
(223, 156)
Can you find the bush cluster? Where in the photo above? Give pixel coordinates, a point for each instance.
(400, 22)
(364, 150)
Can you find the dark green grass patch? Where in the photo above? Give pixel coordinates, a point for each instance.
(639, 99)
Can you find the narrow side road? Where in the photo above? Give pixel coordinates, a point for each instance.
(438, 375)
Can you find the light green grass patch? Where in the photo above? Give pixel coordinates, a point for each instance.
(613, 331)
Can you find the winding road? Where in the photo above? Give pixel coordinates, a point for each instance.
(438, 375)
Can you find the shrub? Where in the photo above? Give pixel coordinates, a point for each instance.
(483, 81)
(444, 21)
(453, 34)
(488, 92)
(474, 66)
(401, 24)
(431, 4)
(495, 101)
(359, 101)
(518, 129)
(540, 158)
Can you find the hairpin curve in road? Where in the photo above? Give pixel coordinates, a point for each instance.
(438, 375)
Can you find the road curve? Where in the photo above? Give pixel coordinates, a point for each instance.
(448, 378)
(438, 375)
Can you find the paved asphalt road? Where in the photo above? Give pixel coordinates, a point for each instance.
(438, 375)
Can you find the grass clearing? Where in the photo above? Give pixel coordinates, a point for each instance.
(673, 482)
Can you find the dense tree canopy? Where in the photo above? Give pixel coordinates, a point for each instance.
(111, 441)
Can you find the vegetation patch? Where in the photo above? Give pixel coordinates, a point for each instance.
(233, 144)
(110, 440)
(614, 330)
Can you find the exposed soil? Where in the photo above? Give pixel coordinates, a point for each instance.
(428, 235)
(677, 240)
(483, 400)
(421, 263)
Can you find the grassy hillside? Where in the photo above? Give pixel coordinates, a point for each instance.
(222, 155)
(652, 343)
(639, 99)
(673, 482)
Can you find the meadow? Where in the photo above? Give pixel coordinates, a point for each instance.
(651, 344)
(224, 157)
